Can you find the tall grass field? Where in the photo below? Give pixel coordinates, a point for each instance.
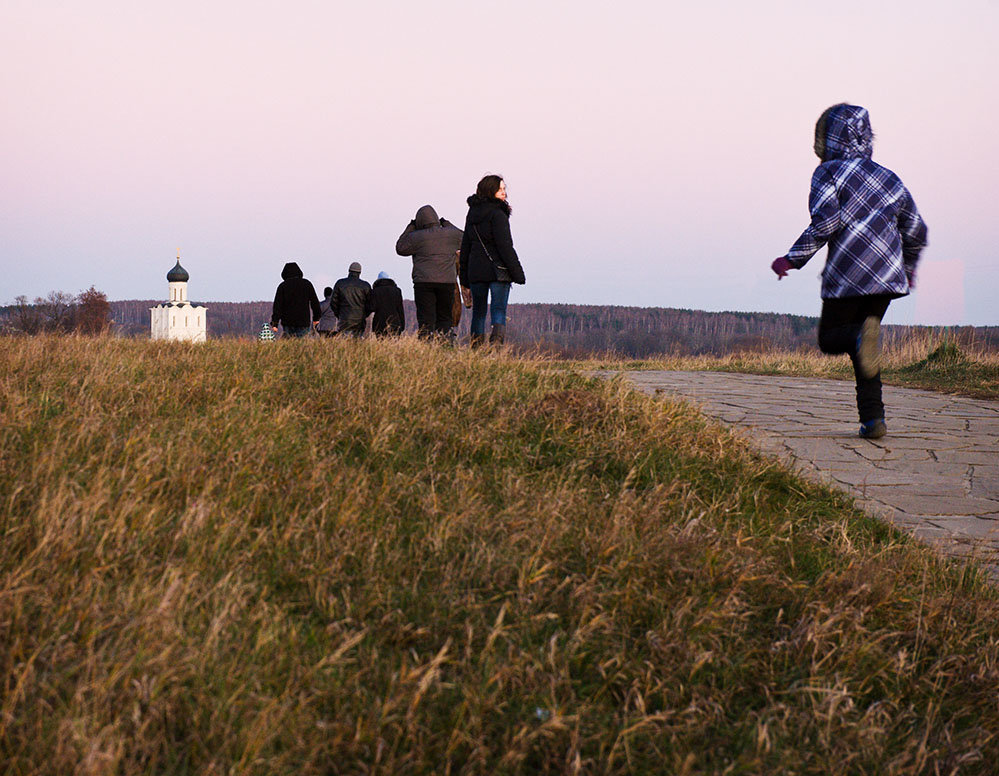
(341, 557)
(936, 362)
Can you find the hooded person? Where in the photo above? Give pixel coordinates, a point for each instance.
(488, 263)
(433, 243)
(294, 300)
(385, 302)
(875, 236)
(349, 301)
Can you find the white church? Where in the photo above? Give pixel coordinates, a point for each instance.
(178, 319)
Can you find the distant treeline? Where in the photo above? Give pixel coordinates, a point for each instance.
(574, 331)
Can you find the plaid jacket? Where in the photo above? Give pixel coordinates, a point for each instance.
(863, 211)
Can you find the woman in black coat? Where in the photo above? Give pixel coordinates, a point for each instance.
(488, 263)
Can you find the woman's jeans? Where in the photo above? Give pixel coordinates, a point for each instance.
(481, 292)
(839, 328)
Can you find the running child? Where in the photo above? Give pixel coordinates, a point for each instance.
(875, 235)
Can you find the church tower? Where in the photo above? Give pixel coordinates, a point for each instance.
(177, 318)
(177, 278)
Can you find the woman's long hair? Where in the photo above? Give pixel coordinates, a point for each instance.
(488, 186)
(486, 191)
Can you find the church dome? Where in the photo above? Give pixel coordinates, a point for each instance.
(178, 274)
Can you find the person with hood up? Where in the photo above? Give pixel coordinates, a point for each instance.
(488, 263)
(875, 236)
(350, 301)
(385, 302)
(432, 242)
(294, 299)
(327, 321)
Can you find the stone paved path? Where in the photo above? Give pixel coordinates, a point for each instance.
(936, 473)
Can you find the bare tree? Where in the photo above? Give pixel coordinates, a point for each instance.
(25, 318)
(58, 311)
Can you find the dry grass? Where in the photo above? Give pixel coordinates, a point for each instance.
(933, 362)
(385, 557)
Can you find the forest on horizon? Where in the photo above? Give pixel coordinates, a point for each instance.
(577, 331)
(557, 330)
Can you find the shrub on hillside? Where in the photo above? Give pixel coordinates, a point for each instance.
(93, 312)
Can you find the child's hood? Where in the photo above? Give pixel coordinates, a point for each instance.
(848, 134)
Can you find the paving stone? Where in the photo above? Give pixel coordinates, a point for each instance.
(926, 504)
(873, 475)
(895, 441)
(982, 487)
(975, 527)
(973, 456)
(880, 455)
(815, 449)
(928, 468)
(933, 532)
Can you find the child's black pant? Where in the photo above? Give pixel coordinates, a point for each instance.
(839, 328)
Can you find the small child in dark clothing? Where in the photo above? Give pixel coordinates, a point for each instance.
(875, 236)
(386, 304)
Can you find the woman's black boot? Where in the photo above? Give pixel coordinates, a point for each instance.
(498, 334)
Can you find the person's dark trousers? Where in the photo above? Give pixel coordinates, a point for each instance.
(839, 328)
(297, 331)
(433, 307)
(353, 330)
(327, 333)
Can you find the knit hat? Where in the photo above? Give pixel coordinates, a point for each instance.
(354, 267)
(383, 275)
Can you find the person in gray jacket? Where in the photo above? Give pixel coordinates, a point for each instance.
(350, 302)
(327, 321)
(433, 243)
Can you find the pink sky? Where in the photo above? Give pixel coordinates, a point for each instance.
(655, 154)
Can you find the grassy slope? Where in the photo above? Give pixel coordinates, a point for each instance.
(346, 557)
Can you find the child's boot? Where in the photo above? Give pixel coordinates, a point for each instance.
(873, 429)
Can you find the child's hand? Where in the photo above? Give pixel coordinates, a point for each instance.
(781, 265)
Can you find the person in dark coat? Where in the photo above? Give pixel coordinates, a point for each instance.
(488, 263)
(327, 321)
(432, 242)
(386, 304)
(350, 302)
(294, 299)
